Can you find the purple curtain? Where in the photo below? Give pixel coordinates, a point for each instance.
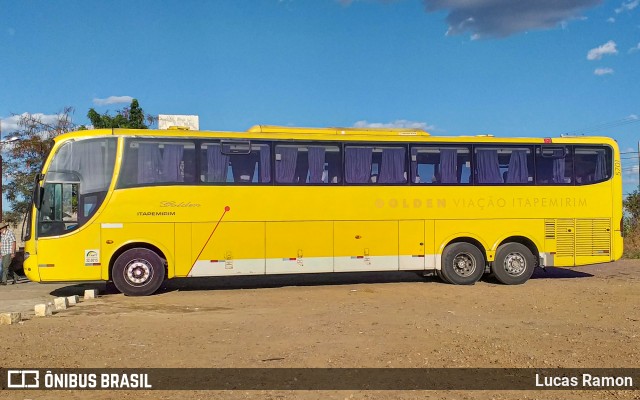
(316, 164)
(601, 167)
(358, 164)
(414, 165)
(148, 162)
(265, 164)
(171, 159)
(286, 165)
(217, 164)
(518, 171)
(558, 166)
(392, 166)
(448, 166)
(488, 167)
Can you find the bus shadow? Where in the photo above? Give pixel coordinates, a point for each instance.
(276, 281)
(558, 273)
(547, 273)
(78, 289)
(321, 279)
(256, 282)
(336, 279)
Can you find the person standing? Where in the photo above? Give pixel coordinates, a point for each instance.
(7, 250)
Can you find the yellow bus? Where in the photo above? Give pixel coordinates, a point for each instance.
(136, 207)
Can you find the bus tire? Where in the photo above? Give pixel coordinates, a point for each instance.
(462, 264)
(442, 278)
(514, 264)
(138, 272)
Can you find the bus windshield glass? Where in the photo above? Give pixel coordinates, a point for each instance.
(75, 184)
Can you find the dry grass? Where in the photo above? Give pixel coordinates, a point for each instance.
(632, 243)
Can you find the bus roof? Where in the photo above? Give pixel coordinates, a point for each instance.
(267, 132)
(338, 131)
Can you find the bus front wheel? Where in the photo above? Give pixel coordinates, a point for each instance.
(462, 263)
(138, 272)
(514, 264)
(442, 277)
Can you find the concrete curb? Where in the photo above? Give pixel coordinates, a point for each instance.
(10, 318)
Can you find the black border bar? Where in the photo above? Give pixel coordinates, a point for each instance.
(321, 378)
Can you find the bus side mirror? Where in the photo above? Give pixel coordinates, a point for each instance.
(37, 191)
(37, 196)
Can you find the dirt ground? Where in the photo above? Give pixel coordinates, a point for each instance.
(583, 317)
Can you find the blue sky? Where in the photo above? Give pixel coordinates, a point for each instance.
(454, 67)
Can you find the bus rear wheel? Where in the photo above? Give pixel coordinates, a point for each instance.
(462, 264)
(514, 264)
(138, 272)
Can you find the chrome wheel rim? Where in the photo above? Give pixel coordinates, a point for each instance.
(515, 264)
(464, 264)
(138, 272)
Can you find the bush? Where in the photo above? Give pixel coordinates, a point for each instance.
(631, 229)
(632, 247)
(632, 244)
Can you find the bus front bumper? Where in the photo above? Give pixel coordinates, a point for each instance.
(31, 269)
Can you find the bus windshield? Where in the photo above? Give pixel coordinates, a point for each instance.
(75, 184)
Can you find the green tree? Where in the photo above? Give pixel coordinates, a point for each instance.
(129, 117)
(632, 206)
(23, 159)
(632, 225)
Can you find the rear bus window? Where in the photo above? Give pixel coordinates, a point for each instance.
(440, 165)
(592, 164)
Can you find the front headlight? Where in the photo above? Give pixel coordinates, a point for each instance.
(26, 255)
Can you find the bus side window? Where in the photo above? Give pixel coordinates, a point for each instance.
(440, 165)
(504, 164)
(156, 162)
(291, 161)
(357, 164)
(215, 166)
(307, 164)
(241, 162)
(592, 164)
(390, 164)
(375, 164)
(554, 165)
(518, 167)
